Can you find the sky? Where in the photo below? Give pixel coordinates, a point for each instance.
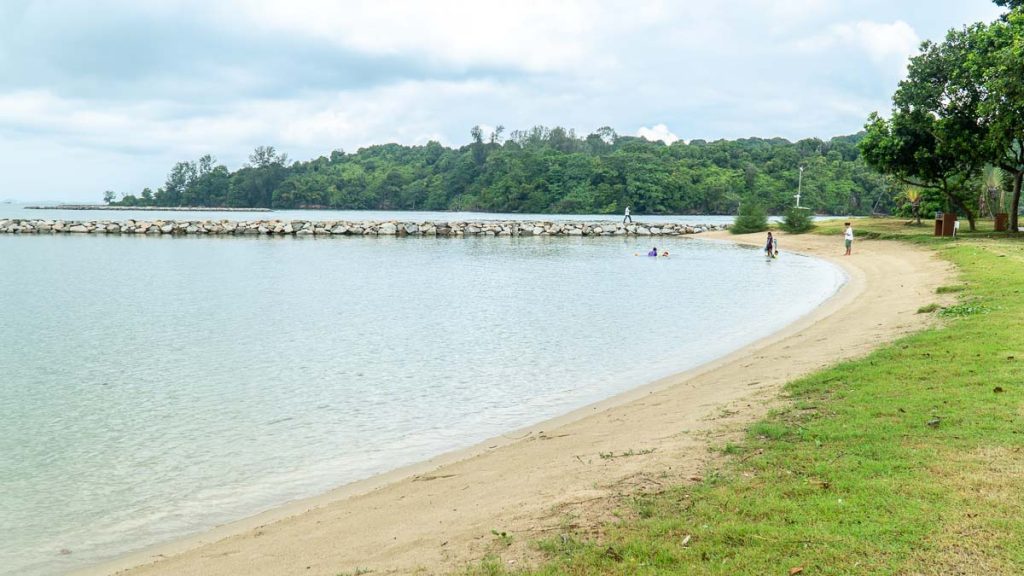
(109, 94)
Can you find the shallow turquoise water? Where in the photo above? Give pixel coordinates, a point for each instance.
(152, 387)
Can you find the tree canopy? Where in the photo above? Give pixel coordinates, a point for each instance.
(541, 170)
(959, 112)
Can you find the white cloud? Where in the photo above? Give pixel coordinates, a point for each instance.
(411, 112)
(144, 126)
(658, 132)
(886, 44)
(533, 35)
(376, 71)
(781, 14)
(405, 112)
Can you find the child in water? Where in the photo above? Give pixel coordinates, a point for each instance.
(653, 252)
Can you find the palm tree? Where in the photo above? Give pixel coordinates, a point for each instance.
(992, 182)
(913, 195)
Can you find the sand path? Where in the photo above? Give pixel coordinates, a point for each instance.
(437, 516)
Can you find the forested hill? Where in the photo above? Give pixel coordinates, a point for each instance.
(541, 171)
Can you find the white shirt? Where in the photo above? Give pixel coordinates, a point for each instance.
(627, 210)
(849, 233)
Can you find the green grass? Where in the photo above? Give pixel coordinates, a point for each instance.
(908, 461)
(504, 537)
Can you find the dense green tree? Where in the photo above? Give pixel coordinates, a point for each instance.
(751, 218)
(997, 67)
(540, 170)
(932, 138)
(960, 110)
(797, 220)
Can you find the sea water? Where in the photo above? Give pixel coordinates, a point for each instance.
(153, 387)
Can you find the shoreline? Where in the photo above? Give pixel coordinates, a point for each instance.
(356, 513)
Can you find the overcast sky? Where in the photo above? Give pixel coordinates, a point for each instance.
(108, 94)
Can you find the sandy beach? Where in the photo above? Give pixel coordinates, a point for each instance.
(435, 517)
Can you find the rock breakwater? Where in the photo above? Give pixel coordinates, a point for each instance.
(351, 228)
(147, 208)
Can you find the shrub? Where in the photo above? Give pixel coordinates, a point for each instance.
(751, 218)
(797, 221)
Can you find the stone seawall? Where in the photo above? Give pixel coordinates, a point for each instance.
(353, 228)
(147, 208)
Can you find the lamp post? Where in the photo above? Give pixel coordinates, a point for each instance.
(799, 186)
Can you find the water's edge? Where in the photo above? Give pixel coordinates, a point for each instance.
(846, 291)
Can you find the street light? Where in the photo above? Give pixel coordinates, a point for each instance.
(799, 186)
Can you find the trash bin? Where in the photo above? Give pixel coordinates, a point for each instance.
(938, 223)
(948, 220)
(1001, 221)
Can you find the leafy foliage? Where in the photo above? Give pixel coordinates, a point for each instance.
(960, 108)
(541, 170)
(797, 221)
(751, 218)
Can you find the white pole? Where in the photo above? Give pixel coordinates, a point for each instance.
(799, 186)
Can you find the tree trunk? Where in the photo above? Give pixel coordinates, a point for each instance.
(963, 208)
(1015, 204)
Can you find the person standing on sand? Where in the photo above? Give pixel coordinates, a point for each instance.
(627, 216)
(848, 237)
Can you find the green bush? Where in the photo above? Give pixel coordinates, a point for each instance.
(751, 218)
(797, 221)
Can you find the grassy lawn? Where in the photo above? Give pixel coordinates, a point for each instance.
(908, 461)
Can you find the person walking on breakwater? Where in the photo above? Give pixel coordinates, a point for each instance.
(848, 238)
(627, 216)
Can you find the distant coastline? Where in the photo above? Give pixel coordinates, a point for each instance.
(147, 208)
